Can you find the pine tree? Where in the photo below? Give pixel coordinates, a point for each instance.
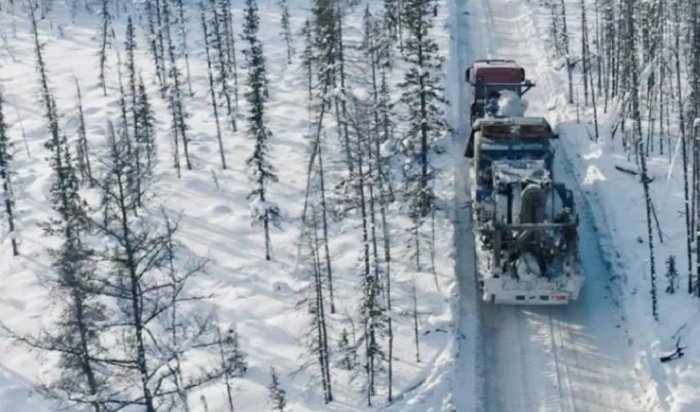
(153, 42)
(77, 337)
(330, 71)
(232, 360)
(372, 309)
(177, 104)
(286, 28)
(377, 47)
(346, 350)
(671, 274)
(144, 133)
(226, 16)
(236, 363)
(260, 169)
(423, 99)
(308, 57)
(319, 341)
(106, 28)
(6, 176)
(183, 49)
(185, 332)
(221, 45)
(134, 254)
(392, 21)
(277, 394)
(130, 47)
(212, 89)
(83, 150)
(149, 291)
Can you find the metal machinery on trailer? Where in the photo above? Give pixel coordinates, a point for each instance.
(525, 224)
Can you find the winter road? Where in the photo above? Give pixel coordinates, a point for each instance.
(573, 358)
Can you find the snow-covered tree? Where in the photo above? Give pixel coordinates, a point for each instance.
(150, 293)
(177, 97)
(261, 171)
(105, 42)
(286, 28)
(423, 99)
(76, 338)
(318, 339)
(232, 359)
(83, 149)
(671, 274)
(6, 176)
(212, 87)
(144, 133)
(222, 43)
(277, 394)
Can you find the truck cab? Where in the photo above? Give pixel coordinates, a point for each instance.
(489, 77)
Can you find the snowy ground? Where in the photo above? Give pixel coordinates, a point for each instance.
(259, 298)
(598, 354)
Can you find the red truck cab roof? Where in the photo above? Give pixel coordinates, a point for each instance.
(495, 72)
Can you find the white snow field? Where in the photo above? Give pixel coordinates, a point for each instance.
(261, 299)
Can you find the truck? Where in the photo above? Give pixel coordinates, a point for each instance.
(524, 221)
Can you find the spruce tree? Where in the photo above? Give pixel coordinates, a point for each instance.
(371, 305)
(226, 16)
(308, 57)
(176, 98)
(183, 49)
(149, 291)
(220, 44)
(144, 136)
(105, 33)
(130, 47)
(69, 222)
(671, 274)
(233, 358)
(76, 339)
(153, 43)
(423, 100)
(277, 394)
(83, 150)
(346, 350)
(212, 88)
(318, 334)
(286, 28)
(6, 176)
(260, 169)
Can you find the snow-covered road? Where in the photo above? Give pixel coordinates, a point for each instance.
(573, 358)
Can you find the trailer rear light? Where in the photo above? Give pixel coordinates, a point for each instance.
(520, 297)
(544, 297)
(560, 297)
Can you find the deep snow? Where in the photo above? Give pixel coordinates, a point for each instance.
(261, 299)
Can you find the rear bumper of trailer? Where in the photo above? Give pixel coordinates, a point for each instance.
(512, 292)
